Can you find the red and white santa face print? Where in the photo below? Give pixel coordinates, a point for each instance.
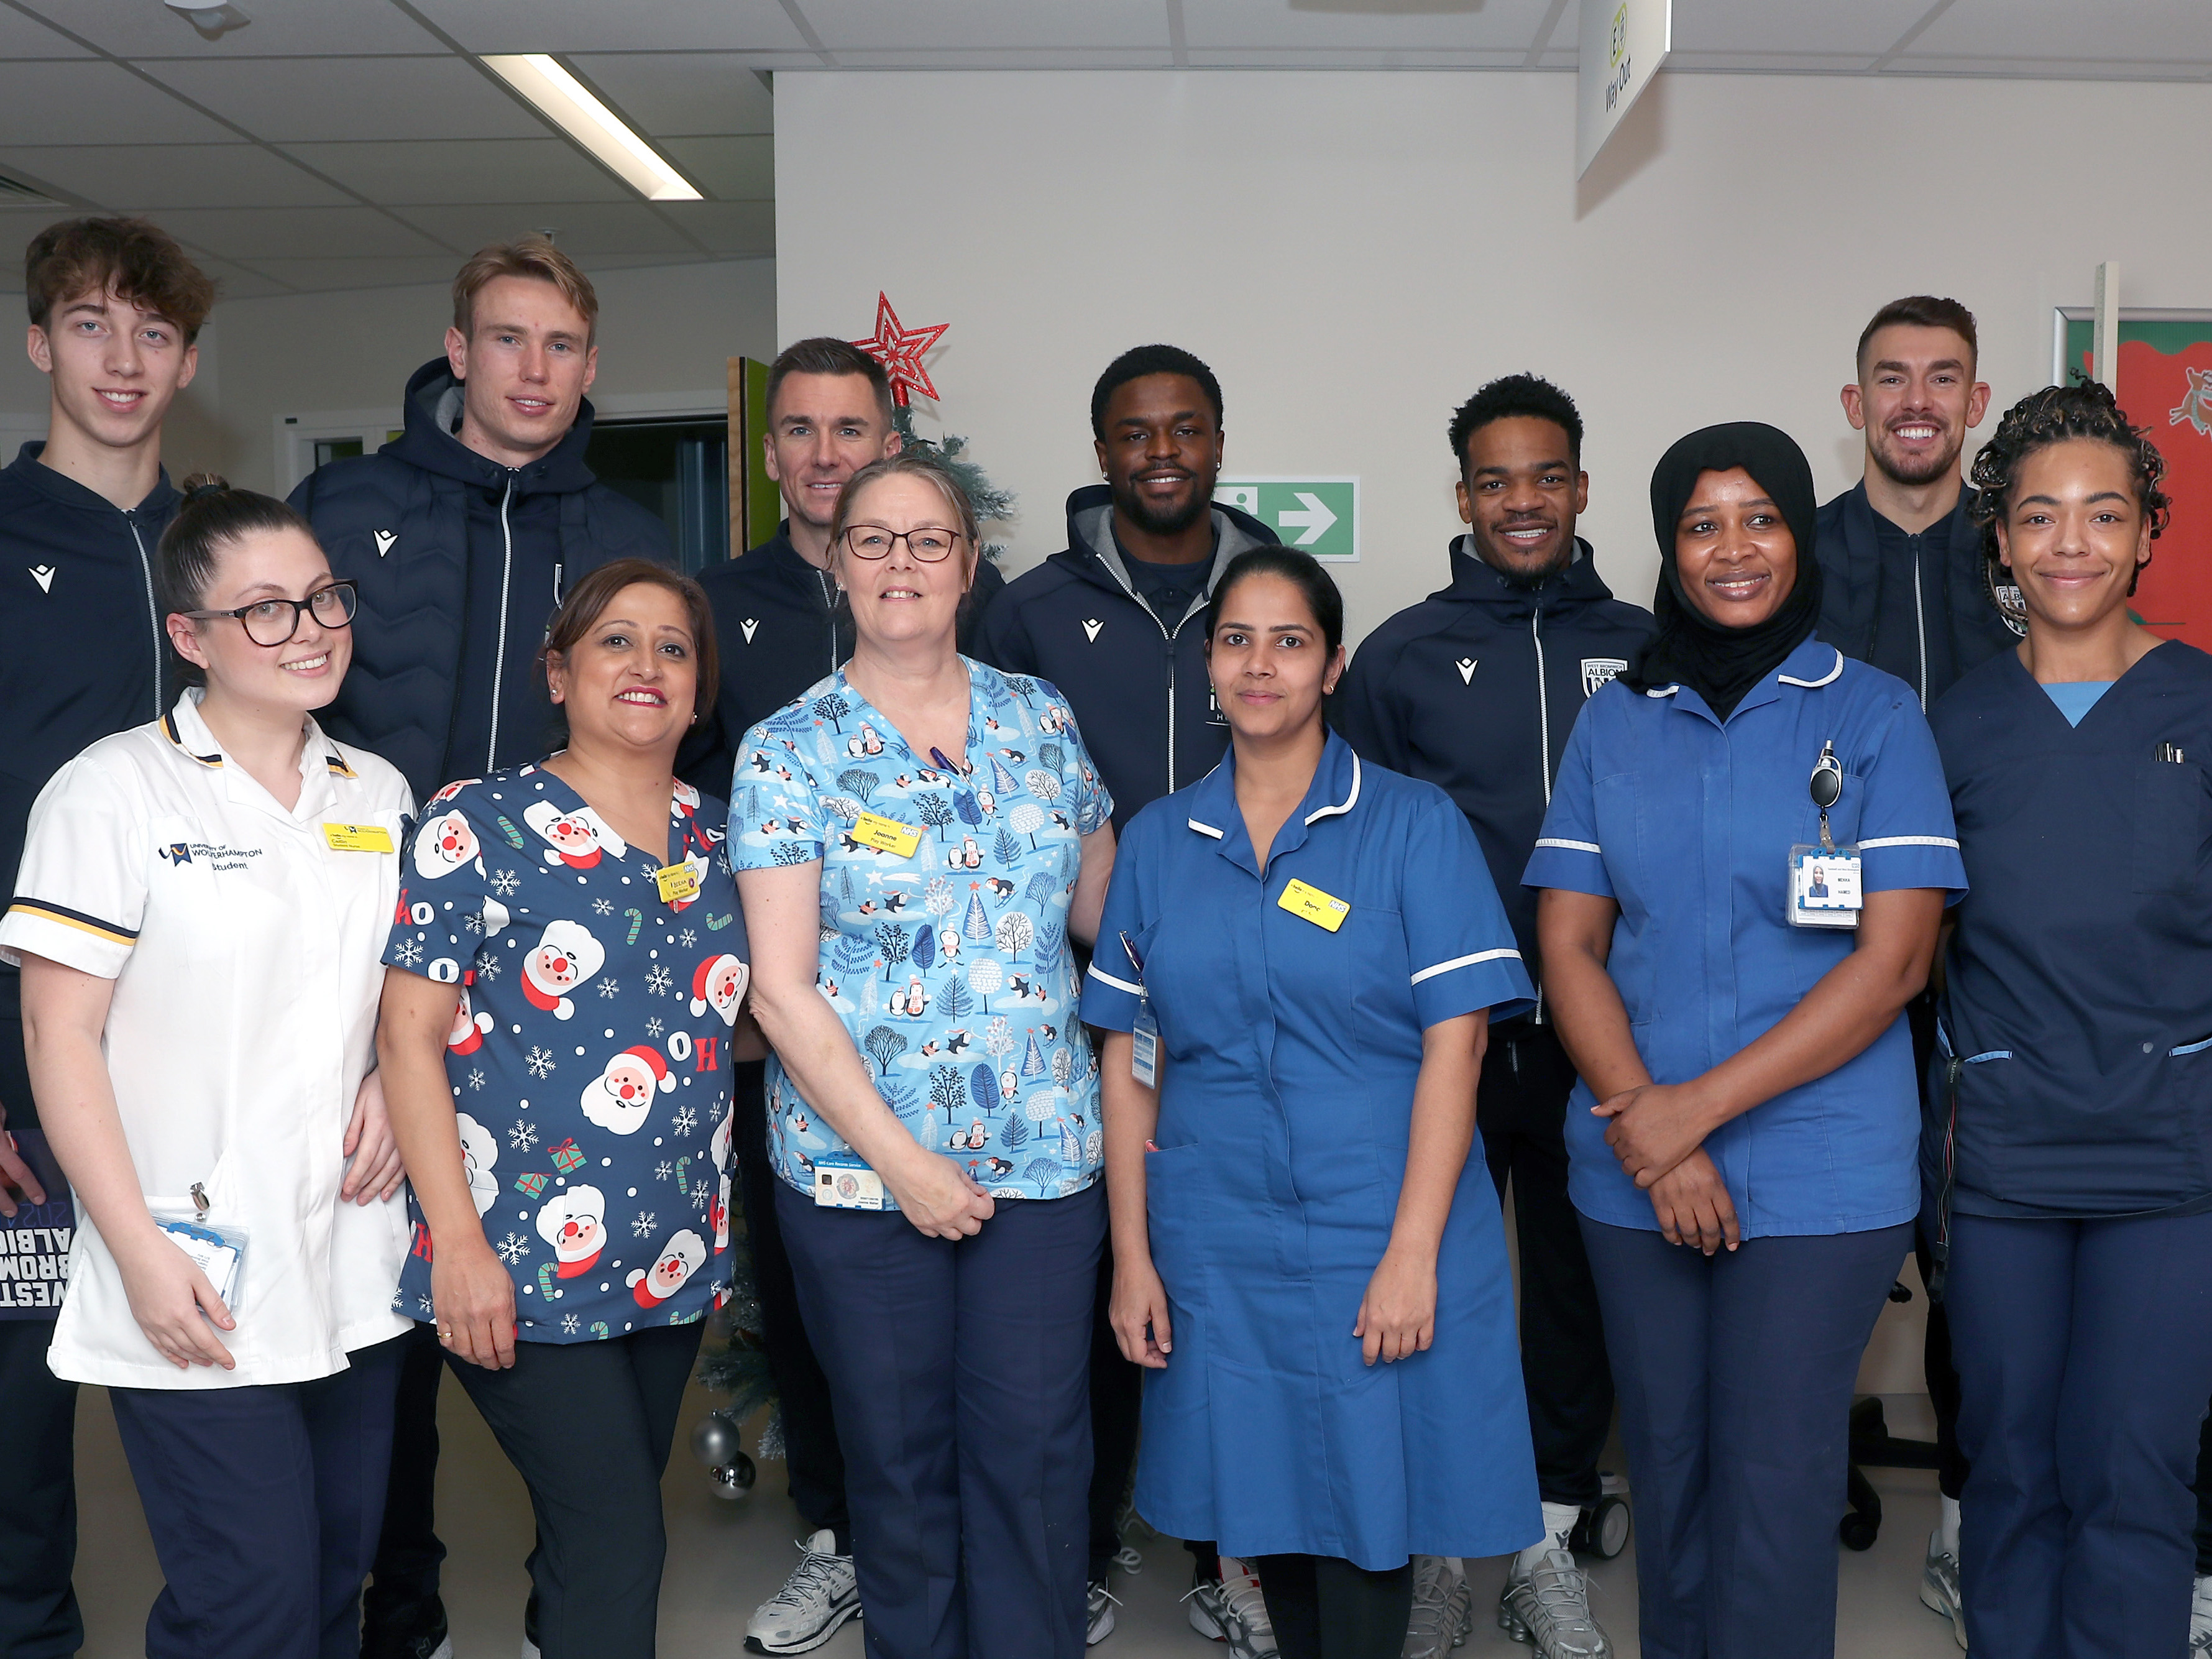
(479, 1152)
(681, 1257)
(468, 1033)
(621, 1097)
(443, 843)
(577, 837)
(720, 983)
(561, 962)
(573, 1224)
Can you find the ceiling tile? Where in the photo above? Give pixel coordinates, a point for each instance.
(147, 28)
(237, 282)
(500, 169)
(2065, 32)
(996, 58)
(152, 177)
(331, 98)
(988, 24)
(579, 228)
(23, 37)
(1340, 57)
(256, 234)
(94, 103)
(1870, 27)
(740, 228)
(1680, 62)
(598, 26)
(669, 92)
(731, 169)
(2052, 69)
(1361, 28)
(314, 276)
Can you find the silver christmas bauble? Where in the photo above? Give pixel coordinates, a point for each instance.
(714, 1441)
(734, 1480)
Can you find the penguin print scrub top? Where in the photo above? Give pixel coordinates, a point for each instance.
(590, 1052)
(949, 964)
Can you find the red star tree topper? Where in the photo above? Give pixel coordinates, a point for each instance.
(900, 351)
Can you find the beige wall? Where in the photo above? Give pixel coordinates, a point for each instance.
(1355, 251)
(662, 330)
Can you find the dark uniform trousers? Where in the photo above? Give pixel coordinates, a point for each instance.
(1521, 1109)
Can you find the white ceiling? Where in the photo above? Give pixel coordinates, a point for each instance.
(355, 143)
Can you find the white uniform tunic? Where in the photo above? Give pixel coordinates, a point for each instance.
(246, 955)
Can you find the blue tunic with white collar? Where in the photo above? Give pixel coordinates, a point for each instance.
(1687, 822)
(1288, 1057)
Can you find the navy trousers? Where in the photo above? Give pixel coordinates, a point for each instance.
(960, 1375)
(1734, 1373)
(264, 1504)
(2084, 1351)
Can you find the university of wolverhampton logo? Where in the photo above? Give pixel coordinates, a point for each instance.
(2195, 408)
(177, 853)
(1596, 670)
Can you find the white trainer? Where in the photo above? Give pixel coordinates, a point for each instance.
(813, 1605)
(1251, 1633)
(2200, 1619)
(1098, 1612)
(1939, 1586)
(1209, 1612)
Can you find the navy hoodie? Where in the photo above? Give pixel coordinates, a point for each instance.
(82, 653)
(1138, 685)
(461, 563)
(1476, 689)
(776, 632)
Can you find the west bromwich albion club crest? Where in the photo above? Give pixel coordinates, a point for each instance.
(1596, 670)
(2011, 605)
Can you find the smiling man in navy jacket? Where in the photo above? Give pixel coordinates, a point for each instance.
(115, 308)
(1475, 690)
(1116, 621)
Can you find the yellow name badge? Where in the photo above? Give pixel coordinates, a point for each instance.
(886, 834)
(358, 838)
(1315, 906)
(678, 882)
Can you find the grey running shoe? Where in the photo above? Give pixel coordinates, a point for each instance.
(1251, 1633)
(1550, 1610)
(1209, 1612)
(1099, 1614)
(815, 1601)
(2200, 1619)
(1443, 1609)
(1939, 1587)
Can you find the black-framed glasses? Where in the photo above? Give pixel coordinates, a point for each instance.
(872, 541)
(272, 621)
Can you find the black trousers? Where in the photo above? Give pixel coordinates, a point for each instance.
(1117, 1398)
(39, 1617)
(1935, 1348)
(1325, 1609)
(588, 1426)
(812, 1462)
(408, 1551)
(1520, 1109)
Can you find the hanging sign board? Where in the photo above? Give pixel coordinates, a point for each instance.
(1622, 44)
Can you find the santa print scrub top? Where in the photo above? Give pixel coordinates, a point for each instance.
(590, 1052)
(1686, 822)
(950, 966)
(243, 938)
(1289, 1052)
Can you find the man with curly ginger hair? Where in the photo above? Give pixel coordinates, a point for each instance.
(115, 306)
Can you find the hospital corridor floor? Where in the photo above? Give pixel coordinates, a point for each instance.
(724, 1557)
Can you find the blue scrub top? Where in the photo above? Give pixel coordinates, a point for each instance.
(1288, 1054)
(1686, 822)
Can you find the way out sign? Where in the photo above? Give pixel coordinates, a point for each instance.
(1321, 516)
(1621, 45)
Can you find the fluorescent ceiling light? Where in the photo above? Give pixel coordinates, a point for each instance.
(565, 101)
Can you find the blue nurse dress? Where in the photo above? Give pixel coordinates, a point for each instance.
(1288, 1059)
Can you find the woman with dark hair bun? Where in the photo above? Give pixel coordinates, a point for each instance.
(562, 1002)
(1298, 961)
(200, 915)
(2068, 1145)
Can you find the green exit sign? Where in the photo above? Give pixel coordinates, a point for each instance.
(1321, 516)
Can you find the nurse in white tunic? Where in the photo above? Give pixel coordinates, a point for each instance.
(200, 917)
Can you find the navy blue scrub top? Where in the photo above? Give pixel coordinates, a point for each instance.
(1686, 822)
(2079, 984)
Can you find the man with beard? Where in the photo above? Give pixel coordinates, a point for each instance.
(1908, 589)
(1116, 621)
(1475, 690)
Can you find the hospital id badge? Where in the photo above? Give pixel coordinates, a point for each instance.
(1824, 886)
(886, 834)
(357, 838)
(844, 1182)
(1302, 899)
(1144, 1048)
(679, 882)
(217, 1251)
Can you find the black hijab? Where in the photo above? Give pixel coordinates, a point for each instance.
(1722, 664)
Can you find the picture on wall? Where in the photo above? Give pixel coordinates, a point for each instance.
(2165, 384)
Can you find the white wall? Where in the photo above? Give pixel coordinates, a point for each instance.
(663, 329)
(1354, 253)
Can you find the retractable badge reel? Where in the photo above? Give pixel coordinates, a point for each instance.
(1825, 880)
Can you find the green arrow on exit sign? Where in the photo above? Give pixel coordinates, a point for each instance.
(1321, 516)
